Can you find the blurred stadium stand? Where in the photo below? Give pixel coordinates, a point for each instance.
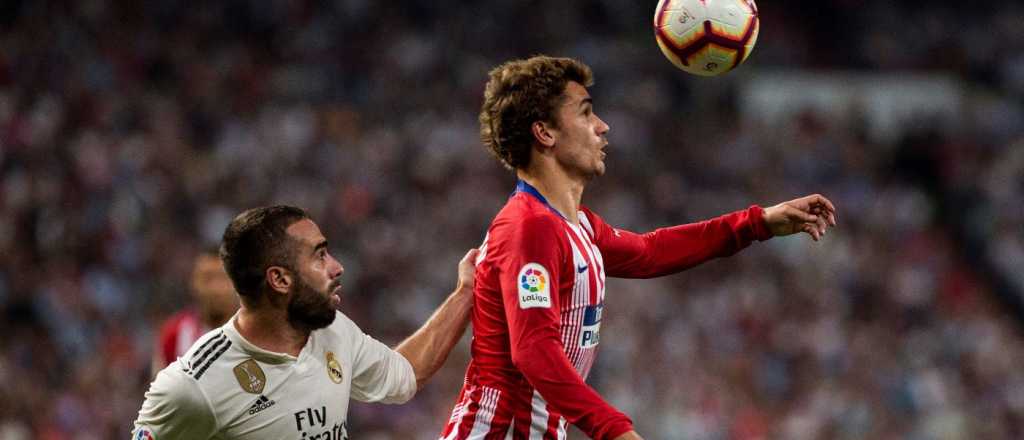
(131, 132)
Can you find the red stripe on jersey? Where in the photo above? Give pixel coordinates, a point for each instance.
(540, 417)
(596, 272)
(582, 358)
(469, 407)
(483, 426)
(522, 414)
(588, 253)
(458, 412)
(504, 407)
(552, 432)
(588, 235)
(572, 309)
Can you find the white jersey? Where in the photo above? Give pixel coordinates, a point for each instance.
(226, 388)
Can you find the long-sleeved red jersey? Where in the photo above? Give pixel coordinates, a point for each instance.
(539, 297)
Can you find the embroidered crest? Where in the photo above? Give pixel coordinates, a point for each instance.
(250, 376)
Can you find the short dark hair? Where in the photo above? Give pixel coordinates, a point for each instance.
(255, 240)
(519, 93)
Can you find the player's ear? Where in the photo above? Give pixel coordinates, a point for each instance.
(543, 133)
(279, 279)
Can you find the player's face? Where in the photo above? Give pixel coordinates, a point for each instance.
(580, 135)
(213, 290)
(317, 290)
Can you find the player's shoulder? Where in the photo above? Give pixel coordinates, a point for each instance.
(524, 213)
(176, 387)
(342, 331)
(209, 342)
(587, 211)
(210, 358)
(175, 402)
(522, 203)
(343, 338)
(589, 219)
(343, 326)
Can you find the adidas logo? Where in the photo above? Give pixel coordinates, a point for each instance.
(261, 404)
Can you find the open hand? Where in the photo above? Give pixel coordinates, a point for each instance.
(811, 214)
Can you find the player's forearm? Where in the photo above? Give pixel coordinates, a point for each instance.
(542, 361)
(428, 347)
(685, 246)
(670, 250)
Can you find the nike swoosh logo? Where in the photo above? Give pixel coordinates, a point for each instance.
(582, 268)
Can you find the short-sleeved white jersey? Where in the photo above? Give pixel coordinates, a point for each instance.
(225, 388)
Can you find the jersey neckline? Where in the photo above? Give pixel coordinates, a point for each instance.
(271, 357)
(523, 187)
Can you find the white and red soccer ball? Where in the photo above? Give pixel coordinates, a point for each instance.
(706, 37)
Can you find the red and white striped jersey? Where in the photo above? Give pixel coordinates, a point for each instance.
(539, 300)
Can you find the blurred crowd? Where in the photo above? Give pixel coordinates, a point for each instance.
(132, 132)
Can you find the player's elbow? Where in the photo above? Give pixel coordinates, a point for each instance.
(526, 361)
(402, 394)
(518, 358)
(421, 382)
(406, 395)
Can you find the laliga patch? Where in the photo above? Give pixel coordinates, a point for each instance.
(143, 434)
(534, 287)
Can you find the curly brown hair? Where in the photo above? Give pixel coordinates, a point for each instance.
(519, 93)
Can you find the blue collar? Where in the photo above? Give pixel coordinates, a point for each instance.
(523, 187)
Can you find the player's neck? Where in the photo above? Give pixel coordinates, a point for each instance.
(269, 329)
(562, 192)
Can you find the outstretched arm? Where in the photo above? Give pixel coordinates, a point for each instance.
(669, 250)
(428, 347)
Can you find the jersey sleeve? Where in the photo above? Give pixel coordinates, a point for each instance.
(669, 250)
(175, 408)
(530, 277)
(379, 374)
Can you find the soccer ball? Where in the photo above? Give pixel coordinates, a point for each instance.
(706, 37)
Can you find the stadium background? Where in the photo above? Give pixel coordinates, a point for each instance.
(131, 132)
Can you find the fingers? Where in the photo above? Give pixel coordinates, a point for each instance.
(467, 269)
(471, 256)
(826, 208)
(822, 225)
(801, 215)
(814, 218)
(827, 202)
(811, 230)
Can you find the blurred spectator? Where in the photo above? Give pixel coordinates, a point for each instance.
(214, 301)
